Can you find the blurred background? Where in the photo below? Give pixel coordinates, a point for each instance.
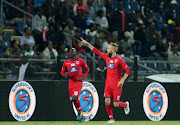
(37, 34)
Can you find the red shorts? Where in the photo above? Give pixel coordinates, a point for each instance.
(113, 92)
(74, 88)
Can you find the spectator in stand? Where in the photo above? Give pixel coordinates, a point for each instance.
(88, 21)
(172, 11)
(161, 46)
(39, 3)
(115, 37)
(109, 6)
(27, 51)
(119, 20)
(17, 55)
(101, 6)
(151, 48)
(174, 55)
(39, 25)
(63, 51)
(102, 20)
(69, 32)
(39, 21)
(61, 19)
(50, 53)
(77, 42)
(150, 19)
(4, 45)
(50, 16)
(100, 73)
(105, 42)
(47, 4)
(126, 43)
(91, 33)
(90, 8)
(54, 35)
(151, 31)
(79, 20)
(145, 9)
(78, 4)
(27, 39)
(66, 9)
(30, 8)
(164, 31)
(97, 44)
(14, 47)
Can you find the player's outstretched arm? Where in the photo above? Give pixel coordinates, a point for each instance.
(93, 49)
(84, 42)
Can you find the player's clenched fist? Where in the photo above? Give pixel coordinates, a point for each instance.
(80, 79)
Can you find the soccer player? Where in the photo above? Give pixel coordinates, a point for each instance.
(114, 80)
(74, 67)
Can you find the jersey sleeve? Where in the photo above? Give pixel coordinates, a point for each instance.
(85, 66)
(63, 70)
(97, 52)
(124, 66)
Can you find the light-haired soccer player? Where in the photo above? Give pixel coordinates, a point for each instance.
(74, 67)
(114, 80)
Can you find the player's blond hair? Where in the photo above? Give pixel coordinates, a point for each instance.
(115, 46)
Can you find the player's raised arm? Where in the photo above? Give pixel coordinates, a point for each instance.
(93, 49)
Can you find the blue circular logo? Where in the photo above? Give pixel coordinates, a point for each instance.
(155, 101)
(22, 100)
(86, 100)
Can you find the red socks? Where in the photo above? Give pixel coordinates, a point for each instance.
(109, 111)
(122, 104)
(77, 105)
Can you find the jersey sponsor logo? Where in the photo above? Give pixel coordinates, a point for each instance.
(22, 101)
(68, 63)
(73, 69)
(110, 65)
(89, 101)
(115, 60)
(77, 62)
(155, 101)
(73, 64)
(111, 61)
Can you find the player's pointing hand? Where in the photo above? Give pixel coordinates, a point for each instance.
(84, 42)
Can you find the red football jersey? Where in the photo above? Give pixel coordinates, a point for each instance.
(114, 67)
(74, 68)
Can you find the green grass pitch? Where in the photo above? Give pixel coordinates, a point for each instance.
(92, 123)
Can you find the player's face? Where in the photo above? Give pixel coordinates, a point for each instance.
(72, 53)
(109, 50)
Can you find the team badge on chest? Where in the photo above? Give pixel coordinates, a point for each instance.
(77, 62)
(115, 60)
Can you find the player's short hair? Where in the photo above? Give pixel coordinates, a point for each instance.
(115, 45)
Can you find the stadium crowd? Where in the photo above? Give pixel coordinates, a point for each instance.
(148, 28)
